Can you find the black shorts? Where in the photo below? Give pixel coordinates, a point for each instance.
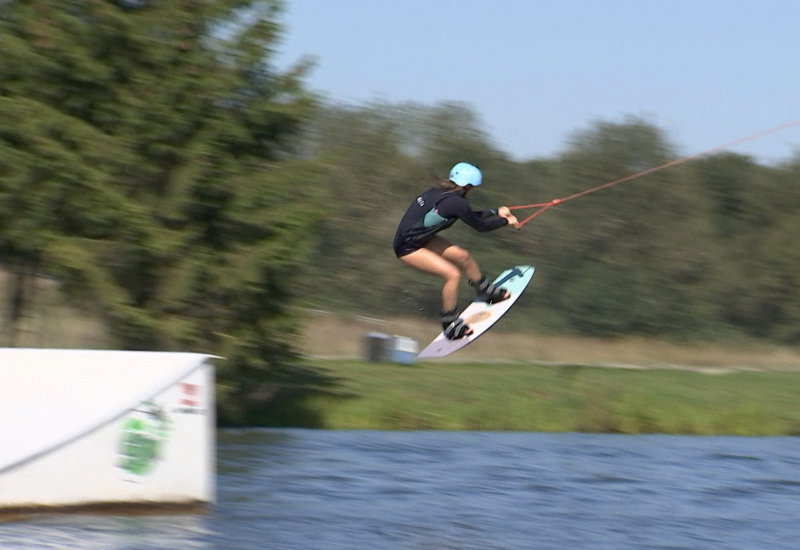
(403, 247)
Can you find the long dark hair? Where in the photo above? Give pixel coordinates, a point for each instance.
(450, 187)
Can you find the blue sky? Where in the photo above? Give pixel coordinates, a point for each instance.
(706, 72)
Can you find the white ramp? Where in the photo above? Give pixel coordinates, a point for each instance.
(88, 427)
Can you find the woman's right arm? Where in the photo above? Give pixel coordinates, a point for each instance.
(505, 212)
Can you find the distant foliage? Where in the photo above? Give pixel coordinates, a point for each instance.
(699, 250)
(145, 154)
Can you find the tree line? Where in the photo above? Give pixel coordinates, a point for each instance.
(157, 165)
(702, 250)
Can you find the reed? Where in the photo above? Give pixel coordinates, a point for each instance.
(533, 397)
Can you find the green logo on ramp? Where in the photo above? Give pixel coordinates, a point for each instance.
(144, 432)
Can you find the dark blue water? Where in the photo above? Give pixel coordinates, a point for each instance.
(298, 489)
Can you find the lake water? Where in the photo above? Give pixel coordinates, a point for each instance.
(314, 489)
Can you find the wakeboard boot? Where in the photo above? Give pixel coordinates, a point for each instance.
(454, 326)
(489, 293)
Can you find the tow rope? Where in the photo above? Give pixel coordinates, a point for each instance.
(541, 207)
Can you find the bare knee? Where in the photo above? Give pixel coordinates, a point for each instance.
(459, 256)
(452, 276)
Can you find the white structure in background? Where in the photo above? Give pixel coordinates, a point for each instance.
(84, 428)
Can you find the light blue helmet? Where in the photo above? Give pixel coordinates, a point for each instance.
(464, 174)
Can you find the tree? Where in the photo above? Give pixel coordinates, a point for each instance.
(145, 152)
(604, 254)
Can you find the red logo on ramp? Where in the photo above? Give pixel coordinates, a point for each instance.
(190, 395)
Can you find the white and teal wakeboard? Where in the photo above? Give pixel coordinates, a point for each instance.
(480, 316)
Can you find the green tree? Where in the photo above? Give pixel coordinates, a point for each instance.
(604, 273)
(145, 152)
(753, 210)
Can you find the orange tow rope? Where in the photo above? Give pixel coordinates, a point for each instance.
(545, 205)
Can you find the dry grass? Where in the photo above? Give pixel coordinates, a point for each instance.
(49, 322)
(327, 336)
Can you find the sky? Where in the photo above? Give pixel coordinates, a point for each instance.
(706, 72)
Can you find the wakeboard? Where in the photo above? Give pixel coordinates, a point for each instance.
(480, 316)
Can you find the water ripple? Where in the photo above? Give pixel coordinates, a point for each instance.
(307, 489)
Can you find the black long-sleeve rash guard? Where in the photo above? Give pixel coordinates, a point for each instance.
(436, 210)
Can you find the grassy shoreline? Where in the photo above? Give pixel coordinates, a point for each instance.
(548, 398)
(331, 336)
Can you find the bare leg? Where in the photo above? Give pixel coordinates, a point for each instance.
(429, 261)
(458, 256)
